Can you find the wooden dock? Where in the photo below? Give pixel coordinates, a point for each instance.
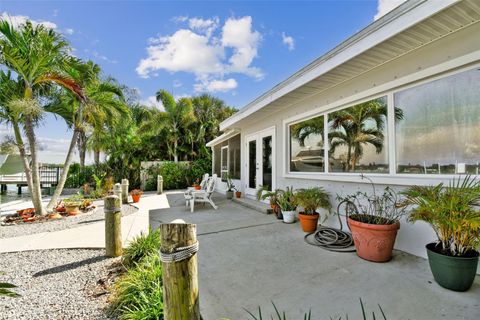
(49, 176)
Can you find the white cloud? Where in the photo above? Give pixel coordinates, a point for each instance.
(18, 20)
(177, 83)
(69, 31)
(288, 41)
(216, 85)
(238, 34)
(204, 26)
(152, 102)
(385, 6)
(209, 57)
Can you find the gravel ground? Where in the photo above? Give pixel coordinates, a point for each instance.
(54, 284)
(61, 224)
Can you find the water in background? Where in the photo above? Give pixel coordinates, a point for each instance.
(12, 195)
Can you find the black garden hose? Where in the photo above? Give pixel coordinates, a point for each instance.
(331, 239)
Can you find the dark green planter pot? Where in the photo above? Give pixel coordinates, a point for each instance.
(454, 273)
(229, 194)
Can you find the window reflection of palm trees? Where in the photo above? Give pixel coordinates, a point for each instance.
(351, 130)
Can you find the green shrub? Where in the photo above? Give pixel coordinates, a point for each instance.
(138, 294)
(141, 247)
(198, 168)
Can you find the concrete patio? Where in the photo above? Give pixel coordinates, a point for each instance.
(248, 259)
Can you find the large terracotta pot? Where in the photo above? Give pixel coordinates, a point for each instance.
(308, 222)
(72, 210)
(373, 242)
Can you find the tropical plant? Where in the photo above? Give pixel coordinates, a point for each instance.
(230, 185)
(380, 209)
(177, 115)
(307, 316)
(286, 200)
(40, 57)
(5, 289)
(357, 127)
(138, 294)
(141, 247)
(451, 210)
(310, 199)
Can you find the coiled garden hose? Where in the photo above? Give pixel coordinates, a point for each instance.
(332, 239)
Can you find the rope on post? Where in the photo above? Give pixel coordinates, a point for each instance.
(179, 254)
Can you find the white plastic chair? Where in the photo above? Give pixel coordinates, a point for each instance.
(204, 196)
(188, 193)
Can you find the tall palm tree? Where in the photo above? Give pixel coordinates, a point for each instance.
(12, 91)
(358, 126)
(39, 56)
(103, 106)
(177, 115)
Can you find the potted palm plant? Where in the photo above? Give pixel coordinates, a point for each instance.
(374, 221)
(453, 212)
(136, 195)
(288, 204)
(230, 188)
(310, 200)
(272, 196)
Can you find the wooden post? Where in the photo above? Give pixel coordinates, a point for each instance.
(117, 190)
(180, 279)
(159, 184)
(125, 191)
(113, 226)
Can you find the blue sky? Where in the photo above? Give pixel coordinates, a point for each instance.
(234, 50)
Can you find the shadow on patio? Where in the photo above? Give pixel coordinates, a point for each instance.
(247, 259)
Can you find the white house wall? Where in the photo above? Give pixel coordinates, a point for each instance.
(452, 52)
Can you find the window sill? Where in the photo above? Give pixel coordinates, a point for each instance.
(385, 179)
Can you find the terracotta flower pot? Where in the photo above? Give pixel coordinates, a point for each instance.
(238, 194)
(136, 197)
(72, 210)
(197, 187)
(373, 242)
(308, 222)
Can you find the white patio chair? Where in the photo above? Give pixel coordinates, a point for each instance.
(188, 193)
(204, 196)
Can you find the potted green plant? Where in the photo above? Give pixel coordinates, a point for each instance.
(288, 204)
(72, 206)
(374, 220)
(453, 212)
(136, 195)
(310, 200)
(230, 188)
(264, 193)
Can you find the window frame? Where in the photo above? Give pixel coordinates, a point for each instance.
(392, 178)
(222, 171)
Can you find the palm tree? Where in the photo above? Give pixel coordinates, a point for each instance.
(39, 56)
(177, 115)
(11, 91)
(103, 106)
(358, 126)
(302, 130)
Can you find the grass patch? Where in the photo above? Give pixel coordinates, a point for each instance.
(142, 246)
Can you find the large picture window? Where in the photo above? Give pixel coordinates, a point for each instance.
(307, 145)
(358, 138)
(440, 132)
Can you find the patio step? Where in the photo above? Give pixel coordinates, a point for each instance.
(253, 204)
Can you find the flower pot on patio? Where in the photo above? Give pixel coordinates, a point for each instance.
(72, 209)
(451, 272)
(374, 242)
(288, 216)
(197, 187)
(308, 222)
(229, 194)
(238, 194)
(136, 197)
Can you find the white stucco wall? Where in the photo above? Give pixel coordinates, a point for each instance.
(452, 52)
